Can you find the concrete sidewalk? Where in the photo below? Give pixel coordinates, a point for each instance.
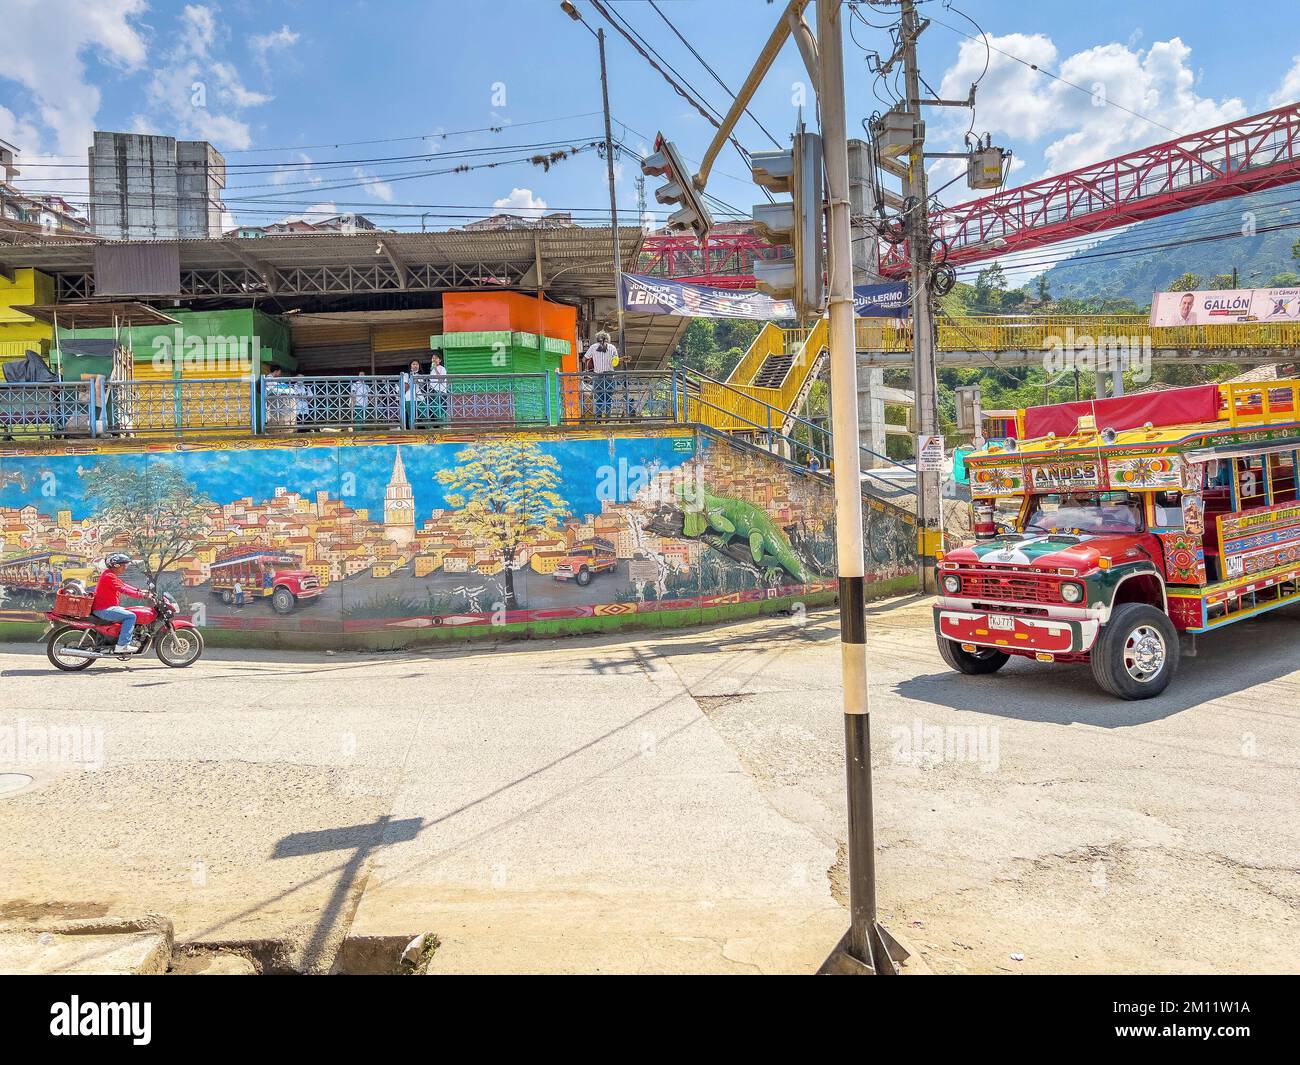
(560, 807)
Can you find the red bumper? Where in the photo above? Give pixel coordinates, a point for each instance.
(1014, 632)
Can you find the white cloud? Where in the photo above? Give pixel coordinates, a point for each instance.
(42, 48)
(1018, 105)
(379, 189)
(298, 175)
(1289, 91)
(521, 201)
(317, 212)
(198, 89)
(263, 44)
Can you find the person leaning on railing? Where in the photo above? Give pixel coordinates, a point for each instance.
(602, 357)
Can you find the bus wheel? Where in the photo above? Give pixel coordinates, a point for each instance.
(584, 577)
(227, 596)
(983, 660)
(282, 601)
(1136, 654)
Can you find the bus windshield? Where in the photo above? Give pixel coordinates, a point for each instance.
(1085, 513)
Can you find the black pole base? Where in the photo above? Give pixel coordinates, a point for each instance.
(887, 954)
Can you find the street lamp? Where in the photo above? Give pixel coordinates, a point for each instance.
(569, 9)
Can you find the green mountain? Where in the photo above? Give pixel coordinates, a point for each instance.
(1206, 241)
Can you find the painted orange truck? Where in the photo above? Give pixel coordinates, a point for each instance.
(585, 560)
(1114, 531)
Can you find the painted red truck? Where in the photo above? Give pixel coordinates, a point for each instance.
(1109, 532)
(247, 574)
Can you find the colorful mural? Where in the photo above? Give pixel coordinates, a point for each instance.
(407, 534)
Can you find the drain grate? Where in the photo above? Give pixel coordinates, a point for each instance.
(11, 782)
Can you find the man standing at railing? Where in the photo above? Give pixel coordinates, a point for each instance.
(602, 357)
(359, 390)
(438, 387)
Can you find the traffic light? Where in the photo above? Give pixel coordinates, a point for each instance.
(666, 162)
(798, 224)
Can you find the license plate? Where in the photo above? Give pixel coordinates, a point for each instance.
(1005, 624)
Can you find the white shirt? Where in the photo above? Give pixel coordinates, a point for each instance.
(602, 361)
(439, 375)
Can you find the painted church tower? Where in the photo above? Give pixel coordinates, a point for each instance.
(399, 506)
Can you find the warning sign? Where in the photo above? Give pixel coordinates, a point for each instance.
(929, 453)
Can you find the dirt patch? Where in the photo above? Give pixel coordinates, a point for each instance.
(24, 910)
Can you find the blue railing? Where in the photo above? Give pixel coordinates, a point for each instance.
(275, 405)
(48, 411)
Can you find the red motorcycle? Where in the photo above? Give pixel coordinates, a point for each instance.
(77, 640)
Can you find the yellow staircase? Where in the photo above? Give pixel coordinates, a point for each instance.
(771, 381)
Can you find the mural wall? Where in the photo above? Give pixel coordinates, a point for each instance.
(382, 541)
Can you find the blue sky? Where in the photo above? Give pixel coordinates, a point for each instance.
(281, 83)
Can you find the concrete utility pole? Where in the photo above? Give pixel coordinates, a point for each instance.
(929, 507)
(864, 947)
(613, 198)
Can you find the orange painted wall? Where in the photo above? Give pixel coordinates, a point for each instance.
(468, 312)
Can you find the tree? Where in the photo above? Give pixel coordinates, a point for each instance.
(1044, 288)
(990, 284)
(504, 493)
(1185, 283)
(158, 515)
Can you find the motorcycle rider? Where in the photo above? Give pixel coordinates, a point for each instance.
(106, 603)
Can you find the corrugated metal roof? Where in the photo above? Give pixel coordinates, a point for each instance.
(575, 256)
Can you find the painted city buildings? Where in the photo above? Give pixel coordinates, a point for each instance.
(417, 535)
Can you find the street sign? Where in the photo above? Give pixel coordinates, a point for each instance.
(929, 453)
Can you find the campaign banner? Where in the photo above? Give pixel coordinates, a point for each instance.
(1225, 306)
(655, 295)
(889, 300)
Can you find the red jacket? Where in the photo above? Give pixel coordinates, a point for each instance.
(110, 588)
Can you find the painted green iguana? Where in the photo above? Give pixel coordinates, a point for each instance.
(734, 518)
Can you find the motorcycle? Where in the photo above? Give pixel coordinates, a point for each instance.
(75, 643)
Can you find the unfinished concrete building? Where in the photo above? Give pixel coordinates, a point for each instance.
(155, 188)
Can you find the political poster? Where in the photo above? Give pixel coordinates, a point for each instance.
(655, 295)
(881, 301)
(1225, 306)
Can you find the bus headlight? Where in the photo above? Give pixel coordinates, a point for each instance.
(951, 584)
(1072, 593)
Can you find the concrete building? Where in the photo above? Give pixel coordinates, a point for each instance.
(155, 188)
(27, 217)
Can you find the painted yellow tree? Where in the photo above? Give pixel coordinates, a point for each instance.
(503, 493)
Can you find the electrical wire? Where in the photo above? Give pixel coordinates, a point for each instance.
(712, 72)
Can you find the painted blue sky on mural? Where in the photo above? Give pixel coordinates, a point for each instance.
(65, 482)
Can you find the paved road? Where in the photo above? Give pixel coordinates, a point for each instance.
(668, 803)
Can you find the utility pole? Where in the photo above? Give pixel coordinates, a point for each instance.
(929, 512)
(613, 199)
(864, 948)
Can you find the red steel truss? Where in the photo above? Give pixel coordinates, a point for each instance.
(1248, 155)
(725, 260)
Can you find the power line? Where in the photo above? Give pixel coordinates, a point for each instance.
(350, 144)
(714, 73)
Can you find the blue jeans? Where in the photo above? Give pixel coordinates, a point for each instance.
(119, 613)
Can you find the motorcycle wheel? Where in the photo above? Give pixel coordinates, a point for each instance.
(179, 648)
(66, 638)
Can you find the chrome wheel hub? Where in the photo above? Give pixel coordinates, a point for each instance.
(1144, 653)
